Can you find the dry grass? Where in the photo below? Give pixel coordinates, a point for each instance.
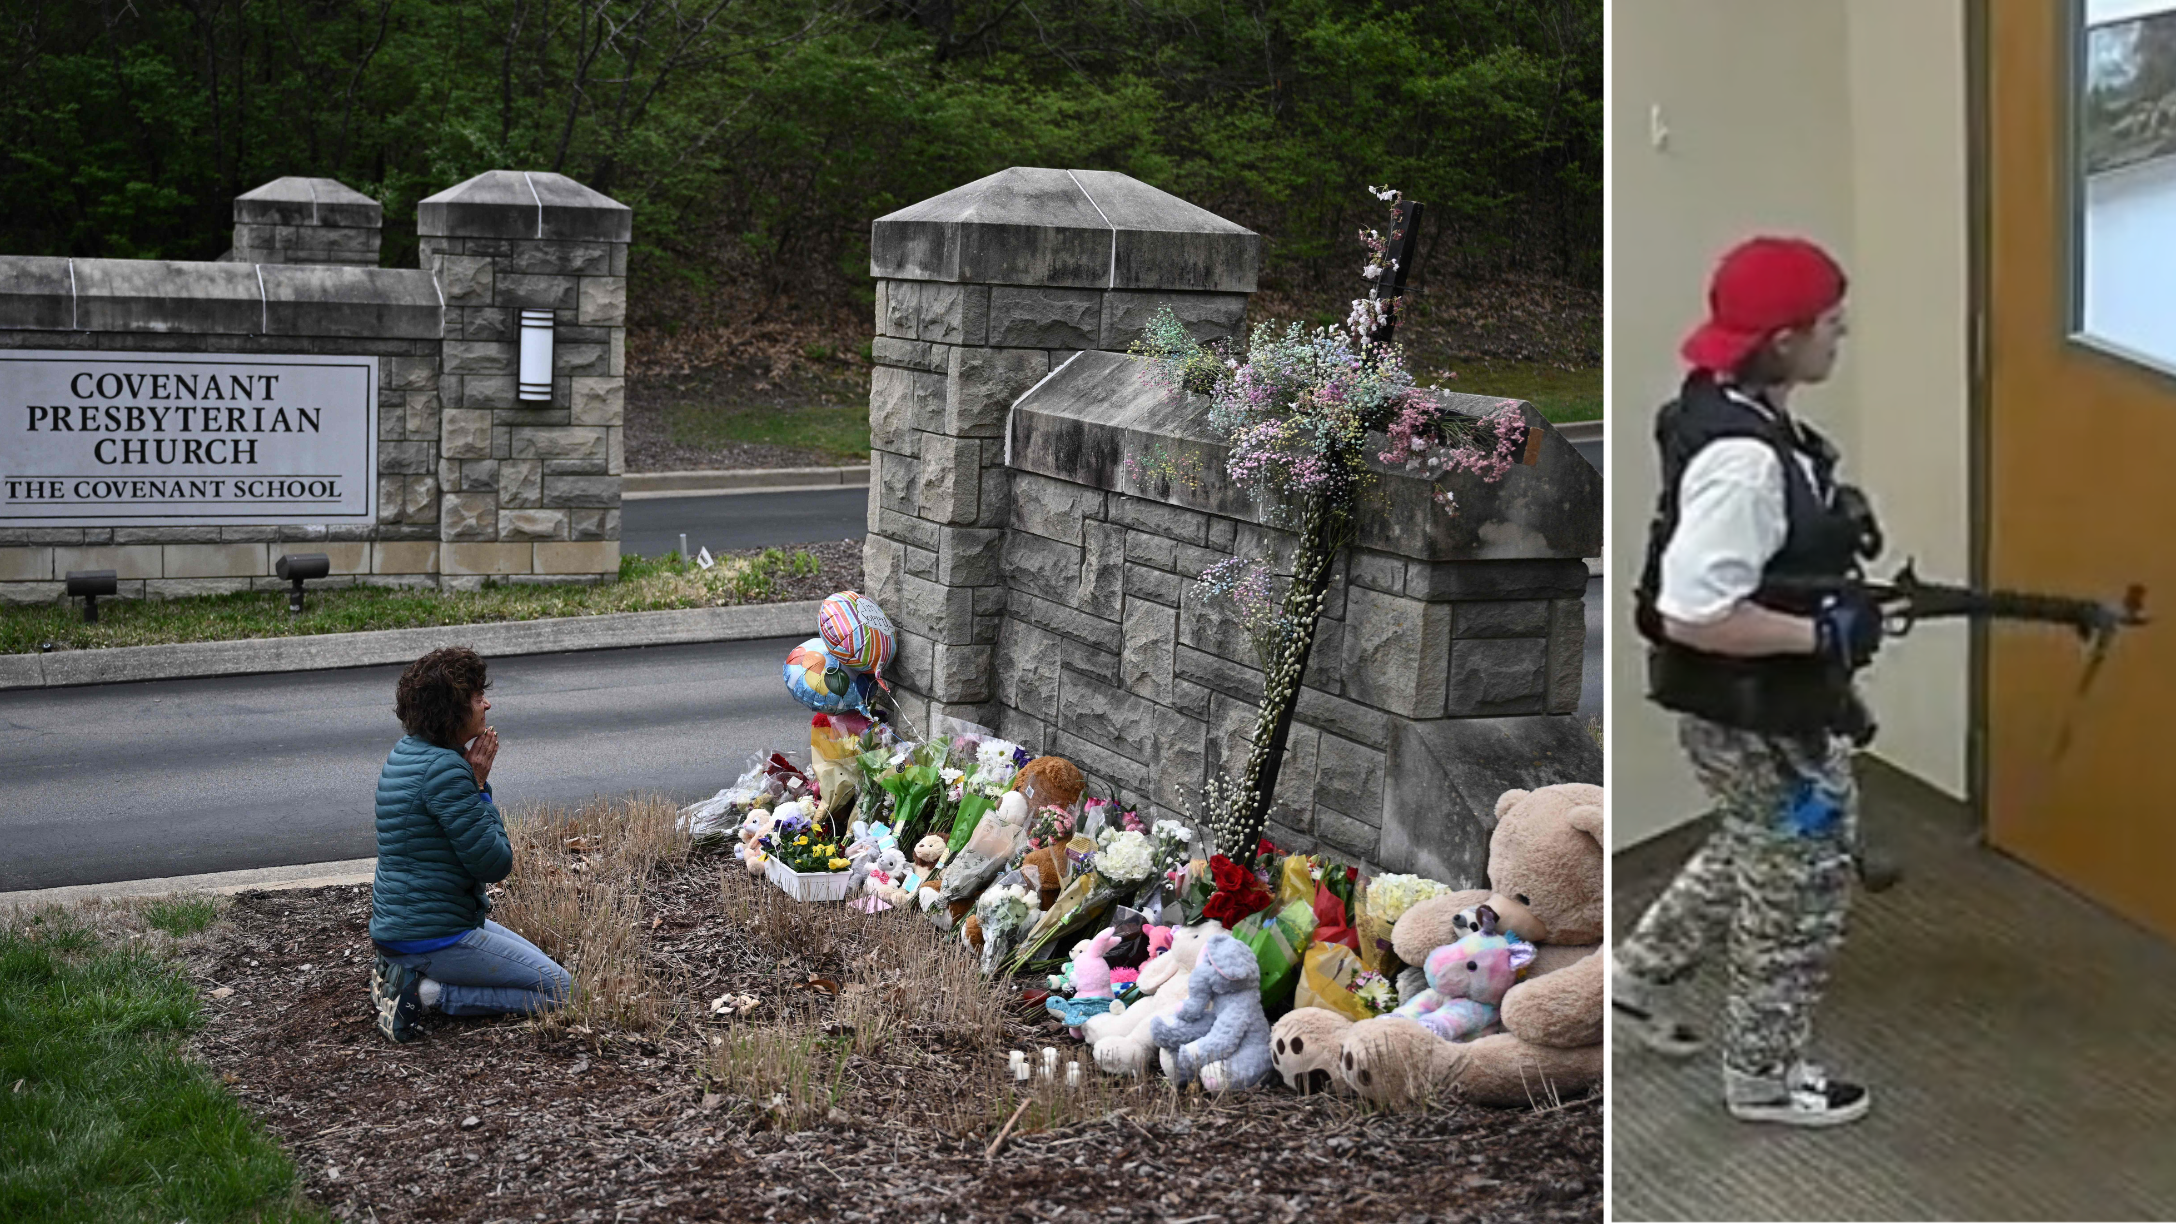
(576, 893)
(907, 1006)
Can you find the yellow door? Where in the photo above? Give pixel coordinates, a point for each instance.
(2078, 149)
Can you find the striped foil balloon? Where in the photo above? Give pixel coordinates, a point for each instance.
(856, 631)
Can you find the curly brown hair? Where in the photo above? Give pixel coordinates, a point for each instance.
(432, 699)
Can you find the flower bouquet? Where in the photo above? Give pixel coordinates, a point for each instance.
(804, 864)
(1239, 893)
(1385, 900)
(911, 776)
(1005, 912)
(994, 762)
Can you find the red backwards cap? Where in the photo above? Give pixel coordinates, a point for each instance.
(1762, 286)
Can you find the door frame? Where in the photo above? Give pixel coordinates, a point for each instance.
(1978, 495)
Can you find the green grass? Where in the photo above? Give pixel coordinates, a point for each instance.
(837, 431)
(1562, 395)
(179, 916)
(102, 1117)
(646, 584)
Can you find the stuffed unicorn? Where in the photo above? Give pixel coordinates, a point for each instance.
(1467, 982)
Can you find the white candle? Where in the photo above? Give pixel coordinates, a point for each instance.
(1072, 1074)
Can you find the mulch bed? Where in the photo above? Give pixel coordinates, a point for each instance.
(580, 1125)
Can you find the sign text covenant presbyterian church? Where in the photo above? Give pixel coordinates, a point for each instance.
(93, 439)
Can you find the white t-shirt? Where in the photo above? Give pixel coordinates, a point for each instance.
(1731, 519)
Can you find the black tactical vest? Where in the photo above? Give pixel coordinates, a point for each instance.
(1790, 695)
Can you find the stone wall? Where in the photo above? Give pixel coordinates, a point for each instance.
(306, 220)
(1060, 606)
(472, 482)
(119, 305)
(529, 490)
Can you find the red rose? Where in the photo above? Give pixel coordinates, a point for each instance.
(1237, 895)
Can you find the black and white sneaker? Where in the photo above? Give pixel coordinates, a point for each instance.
(1636, 1006)
(393, 993)
(1804, 1097)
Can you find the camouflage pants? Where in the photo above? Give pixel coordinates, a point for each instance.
(1776, 889)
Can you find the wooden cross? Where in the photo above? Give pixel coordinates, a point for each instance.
(1404, 239)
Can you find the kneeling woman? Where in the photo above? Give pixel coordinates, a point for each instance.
(440, 840)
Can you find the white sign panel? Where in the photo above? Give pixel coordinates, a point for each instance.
(90, 439)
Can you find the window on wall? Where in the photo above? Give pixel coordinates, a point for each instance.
(2125, 160)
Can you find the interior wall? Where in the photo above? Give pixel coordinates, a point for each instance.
(1856, 138)
(1910, 352)
(1753, 99)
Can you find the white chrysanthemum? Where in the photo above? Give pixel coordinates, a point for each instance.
(1127, 858)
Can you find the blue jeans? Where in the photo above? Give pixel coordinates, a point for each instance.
(491, 971)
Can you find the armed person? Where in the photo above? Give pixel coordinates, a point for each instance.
(1759, 670)
(1759, 618)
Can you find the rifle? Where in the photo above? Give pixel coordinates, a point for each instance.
(1908, 599)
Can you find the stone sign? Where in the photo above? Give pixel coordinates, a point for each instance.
(186, 439)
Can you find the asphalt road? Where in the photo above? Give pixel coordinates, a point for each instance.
(651, 526)
(182, 777)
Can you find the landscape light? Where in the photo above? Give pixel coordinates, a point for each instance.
(90, 584)
(295, 567)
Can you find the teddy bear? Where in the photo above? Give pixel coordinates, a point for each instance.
(1219, 1035)
(1545, 868)
(1050, 781)
(1119, 1038)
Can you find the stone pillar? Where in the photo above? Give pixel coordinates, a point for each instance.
(981, 292)
(306, 221)
(531, 489)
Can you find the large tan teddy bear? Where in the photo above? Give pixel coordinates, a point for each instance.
(1545, 866)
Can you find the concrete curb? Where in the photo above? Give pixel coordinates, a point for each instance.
(749, 480)
(302, 875)
(323, 651)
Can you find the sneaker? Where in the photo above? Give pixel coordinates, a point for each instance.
(1635, 1004)
(393, 992)
(1805, 1097)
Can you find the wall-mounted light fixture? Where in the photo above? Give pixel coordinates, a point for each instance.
(536, 355)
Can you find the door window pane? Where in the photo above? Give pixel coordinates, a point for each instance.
(2126, 153)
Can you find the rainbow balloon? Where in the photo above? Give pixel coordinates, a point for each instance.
(817, 681)
(856, 632)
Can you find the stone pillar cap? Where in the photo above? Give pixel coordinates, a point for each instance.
(295, 200)
(1090, 229)
(524, 204)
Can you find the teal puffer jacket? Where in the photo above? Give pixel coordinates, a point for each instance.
(440, 840)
